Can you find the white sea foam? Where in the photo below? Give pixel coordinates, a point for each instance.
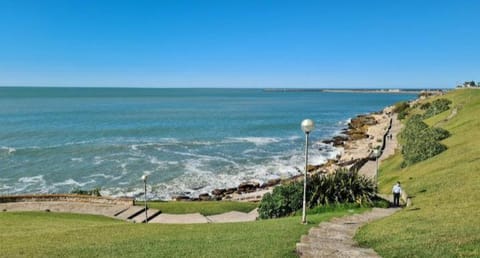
(98, 160)
(77, 159)
(110, 177)
(256, 140)
(32, 179)
(71, 181)
(9, 150)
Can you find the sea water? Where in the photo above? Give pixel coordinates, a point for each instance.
(188, 141)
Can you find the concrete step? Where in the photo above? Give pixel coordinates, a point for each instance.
(304, 250)
(342, 253)
(232, 216)
(333, 234)
(131, 212)
(324, 241)
(192, 218)
(140, 217)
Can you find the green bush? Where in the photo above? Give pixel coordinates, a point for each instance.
(440, 133)
(402, 115)
(343, 186)
(400, 106)
(421, 141)
(93, 192)
(425, 106)
(284, 200)
(438, 106)
(340, 187)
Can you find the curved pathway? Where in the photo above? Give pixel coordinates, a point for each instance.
(335, 238)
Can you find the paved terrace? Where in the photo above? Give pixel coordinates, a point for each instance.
(118, 208)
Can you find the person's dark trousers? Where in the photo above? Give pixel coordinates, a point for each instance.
(396, 199)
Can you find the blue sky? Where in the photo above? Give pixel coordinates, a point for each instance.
(306, 44)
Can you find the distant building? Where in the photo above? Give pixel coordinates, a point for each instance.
(470, 84)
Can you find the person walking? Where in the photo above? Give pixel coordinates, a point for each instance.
(397, 191)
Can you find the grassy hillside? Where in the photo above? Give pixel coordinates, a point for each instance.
(41, 234)
(444, 220)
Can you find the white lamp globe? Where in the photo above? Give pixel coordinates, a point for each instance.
(308, 125)
(144, 178)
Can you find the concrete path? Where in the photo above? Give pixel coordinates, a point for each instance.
(234, 216)
(108, 210)
(335, 238)
(390, 146)
(130, 213)
(192, 218)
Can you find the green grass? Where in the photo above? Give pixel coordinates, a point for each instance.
(40, 234)
(204, 207)
(444, 218)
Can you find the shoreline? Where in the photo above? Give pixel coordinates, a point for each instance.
(355, 144)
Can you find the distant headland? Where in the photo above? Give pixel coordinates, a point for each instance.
(390, 91)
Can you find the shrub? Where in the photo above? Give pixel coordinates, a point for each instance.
(340, 187)
(93, 192)
(343, 186)
(284, 200)
(425, 106)
(440, 133)
(402, 115)
(400, 106)
(421, 141)
(438, 106)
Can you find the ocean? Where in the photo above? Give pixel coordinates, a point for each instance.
(189, 141)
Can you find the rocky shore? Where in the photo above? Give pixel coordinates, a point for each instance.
(355, 144)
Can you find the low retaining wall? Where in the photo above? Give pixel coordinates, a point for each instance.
(65, 198)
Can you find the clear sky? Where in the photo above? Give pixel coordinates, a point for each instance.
(242, 43)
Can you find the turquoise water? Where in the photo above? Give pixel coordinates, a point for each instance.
(190, 141)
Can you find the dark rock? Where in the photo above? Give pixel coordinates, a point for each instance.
(219, 192)
(272, 182)
(231, 190)
(247, 187)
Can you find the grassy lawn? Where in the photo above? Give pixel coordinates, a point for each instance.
(444, 218)
(204, 207)
(41, 234)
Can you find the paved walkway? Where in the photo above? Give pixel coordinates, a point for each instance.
(390, 145)
(335, 238)
(130, 213)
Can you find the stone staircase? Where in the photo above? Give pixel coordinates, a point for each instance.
(335, 238)
(136, 214)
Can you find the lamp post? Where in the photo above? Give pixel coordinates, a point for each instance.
(376, 152)
(307, 126)
(144, 178)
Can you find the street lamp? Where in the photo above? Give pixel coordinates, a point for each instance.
(307, 126)
(144, 178)
(376, 152)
